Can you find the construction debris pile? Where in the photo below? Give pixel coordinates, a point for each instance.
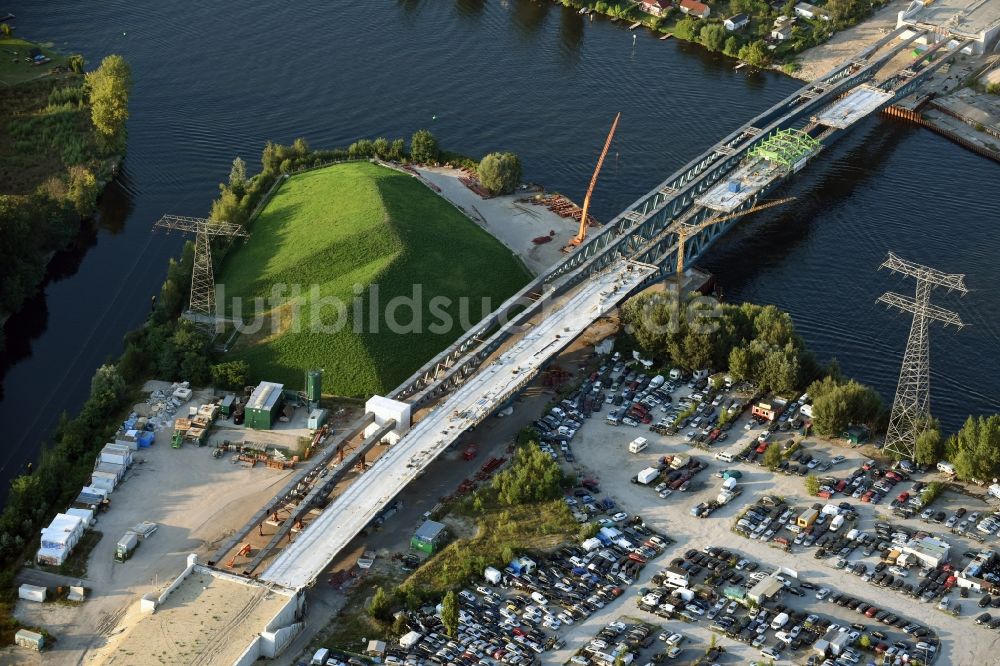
(194, 429)
(250, 453)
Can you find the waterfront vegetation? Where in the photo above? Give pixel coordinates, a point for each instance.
(753, 43)
(337, 231)
(61, 136)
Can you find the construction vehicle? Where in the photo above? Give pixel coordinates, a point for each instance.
(582, 233)
(242, 552)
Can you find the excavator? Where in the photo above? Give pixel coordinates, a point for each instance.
(582, 233)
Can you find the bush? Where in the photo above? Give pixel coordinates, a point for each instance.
(424, 147)
(500, 173)
(231, 374)
(812, 485)
(533, 477)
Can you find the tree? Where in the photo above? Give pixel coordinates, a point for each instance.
(107, 389)
(929, 447)
(398, 150)
(231, 374)
(533, 477)
(381, 147)
(75, 63)
(449, 614)
(300, 147)
(228, 208)
(5, 30)
(83, 190)
(840, 405)
(772, 456)
(424, 147)
(109, 87)
(865, 642)
(500, 173)
(812, 484)
(378, 608)
(732, 46)
(712, 36)
(238, 176)
(687, 28)
(975, 449)
(755, 54)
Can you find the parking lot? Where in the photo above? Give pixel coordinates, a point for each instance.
(600, 451)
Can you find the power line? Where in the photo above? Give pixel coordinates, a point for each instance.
(911, 408)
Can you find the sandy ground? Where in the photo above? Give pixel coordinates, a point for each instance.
(819, 60)
(601, 451)
(196, 500)
(513, 224)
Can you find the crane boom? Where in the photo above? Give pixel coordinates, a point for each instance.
(684, 230)
(582, 234)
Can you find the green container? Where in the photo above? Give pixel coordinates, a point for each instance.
(314, 385)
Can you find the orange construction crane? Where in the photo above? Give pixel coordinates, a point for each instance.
(582, 234)
(685, 230)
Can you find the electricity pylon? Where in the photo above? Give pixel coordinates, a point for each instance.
(911, 408)
(202, 302)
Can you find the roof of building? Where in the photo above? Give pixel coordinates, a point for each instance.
(265, 395)
(429, 531)
(739, 18)
(694, 5)
(806, 7)
(767, 587)
(231, 614)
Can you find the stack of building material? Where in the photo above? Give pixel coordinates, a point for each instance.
(106, 476)
(91, 498)
(29, 639)
(145, 529)
(146, 439)
(31, 593)
(128, 438)
(86, 515)
(116, 454)
(183, 393)
(209, 411)
(59, 539)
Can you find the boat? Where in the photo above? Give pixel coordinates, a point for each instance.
(666, 36)
(740, 66)
(635, 25)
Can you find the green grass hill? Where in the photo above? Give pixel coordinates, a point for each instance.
(360, 224)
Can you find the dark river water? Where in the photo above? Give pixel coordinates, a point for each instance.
(217, 79)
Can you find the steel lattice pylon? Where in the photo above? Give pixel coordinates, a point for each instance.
(202, 302)
(911, 408)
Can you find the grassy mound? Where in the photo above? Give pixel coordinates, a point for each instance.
(344, 229)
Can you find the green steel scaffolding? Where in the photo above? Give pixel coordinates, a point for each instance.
(786, 147)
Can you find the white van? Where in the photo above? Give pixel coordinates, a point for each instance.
(320, 657)
(637, 445)
(780, 621)
(946, 468)
(724, 456)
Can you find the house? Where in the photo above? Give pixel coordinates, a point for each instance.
(737, 22)
(655, 7)
(930, 551)
(807, 11)
(782, 29)
(695, 8)
(766, 589)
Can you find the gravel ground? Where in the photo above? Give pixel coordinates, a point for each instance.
(601, 451)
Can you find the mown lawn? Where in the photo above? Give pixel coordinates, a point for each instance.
(13, 67)
(337, 232)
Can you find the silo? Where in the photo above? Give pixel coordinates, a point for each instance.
(314, 385)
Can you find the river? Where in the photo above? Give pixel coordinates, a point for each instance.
(216, 79)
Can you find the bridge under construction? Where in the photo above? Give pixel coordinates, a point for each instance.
(498, 357)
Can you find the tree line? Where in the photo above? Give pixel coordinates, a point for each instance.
(67, 134)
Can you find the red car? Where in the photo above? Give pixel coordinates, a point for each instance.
(871, 612)
(903, 497)
(762, 447)
(840, 486)
(867, 497)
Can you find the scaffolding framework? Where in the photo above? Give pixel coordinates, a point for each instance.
(786, 148)
(911, 407)
(202, 302)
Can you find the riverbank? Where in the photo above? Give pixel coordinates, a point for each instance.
(61, 141)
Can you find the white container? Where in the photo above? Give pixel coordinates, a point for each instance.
(52, 556)
(31, 593)
(492, 575)
(129, 439)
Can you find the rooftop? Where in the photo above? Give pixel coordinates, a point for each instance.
(207, 619)
(752, 176)
(429, 530)
(265, 395)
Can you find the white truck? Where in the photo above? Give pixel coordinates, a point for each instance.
(637, 445)
(780, 621)
(648, 475)
(994, 490)
(837, 521)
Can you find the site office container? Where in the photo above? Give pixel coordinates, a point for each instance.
(807, 518)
